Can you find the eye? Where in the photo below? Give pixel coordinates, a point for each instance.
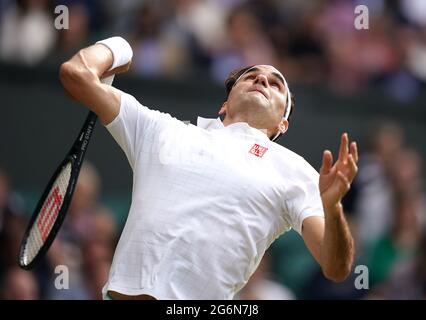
(250, 77)
(275, 84)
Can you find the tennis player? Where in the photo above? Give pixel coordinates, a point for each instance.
(208, 200)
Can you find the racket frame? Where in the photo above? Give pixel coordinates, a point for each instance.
(75, 156)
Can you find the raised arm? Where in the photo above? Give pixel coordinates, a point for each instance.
(330, 240)
(80, 76)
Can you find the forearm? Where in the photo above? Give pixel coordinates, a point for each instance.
(81, 76)
(96, 58)
(337, 250)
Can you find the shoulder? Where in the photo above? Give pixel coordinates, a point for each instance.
(292, 163)
(132, 110)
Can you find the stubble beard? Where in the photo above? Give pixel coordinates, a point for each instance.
(253, 109)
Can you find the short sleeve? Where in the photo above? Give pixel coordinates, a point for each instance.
(302, 199)
(134, 125)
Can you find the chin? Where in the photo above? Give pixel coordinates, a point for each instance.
(257, 101)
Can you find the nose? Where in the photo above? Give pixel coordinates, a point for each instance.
(262, 79)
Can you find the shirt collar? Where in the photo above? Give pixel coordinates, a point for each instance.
(209, 124)
(238, 127)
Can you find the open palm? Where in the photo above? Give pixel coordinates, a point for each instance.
(335, 179)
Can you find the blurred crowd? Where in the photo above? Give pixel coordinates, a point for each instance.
(310, 41)
(77, 264)
(389, 208)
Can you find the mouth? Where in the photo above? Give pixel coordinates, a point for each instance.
(260, 91)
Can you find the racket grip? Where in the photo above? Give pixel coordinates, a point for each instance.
(108, 80)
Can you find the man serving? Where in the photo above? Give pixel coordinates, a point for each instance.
(208, 200)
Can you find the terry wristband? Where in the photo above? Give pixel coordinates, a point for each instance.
(121, 51)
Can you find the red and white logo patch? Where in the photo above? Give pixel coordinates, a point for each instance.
(258, 150)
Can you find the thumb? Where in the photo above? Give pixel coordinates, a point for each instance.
(327, 162)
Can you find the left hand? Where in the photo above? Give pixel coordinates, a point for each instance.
(335, 180)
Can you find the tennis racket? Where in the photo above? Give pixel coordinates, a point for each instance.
(53, 205)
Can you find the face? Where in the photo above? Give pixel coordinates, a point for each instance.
(258, 98)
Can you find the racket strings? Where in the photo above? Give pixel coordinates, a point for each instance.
(47, 215)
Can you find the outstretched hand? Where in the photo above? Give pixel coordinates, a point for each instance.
(335, 179)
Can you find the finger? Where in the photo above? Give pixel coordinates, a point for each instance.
(327, 162)
(343, 152)
(354, 151)
(353, 168)
(345, 185)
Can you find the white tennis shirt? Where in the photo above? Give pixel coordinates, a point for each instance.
(207, 201)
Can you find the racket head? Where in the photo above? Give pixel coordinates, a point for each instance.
(49, 213)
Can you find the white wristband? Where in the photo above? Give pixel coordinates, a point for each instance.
(121, 51)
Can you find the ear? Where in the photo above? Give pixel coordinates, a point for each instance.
(223, 109)
(283, 126)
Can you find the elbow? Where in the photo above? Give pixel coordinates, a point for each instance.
(73, 74)
(338, 275)
(64, 72)
(74, 79)
(69, 74)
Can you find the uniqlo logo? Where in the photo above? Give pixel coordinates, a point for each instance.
(258, 151)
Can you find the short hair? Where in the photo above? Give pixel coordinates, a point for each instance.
(233, 77)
